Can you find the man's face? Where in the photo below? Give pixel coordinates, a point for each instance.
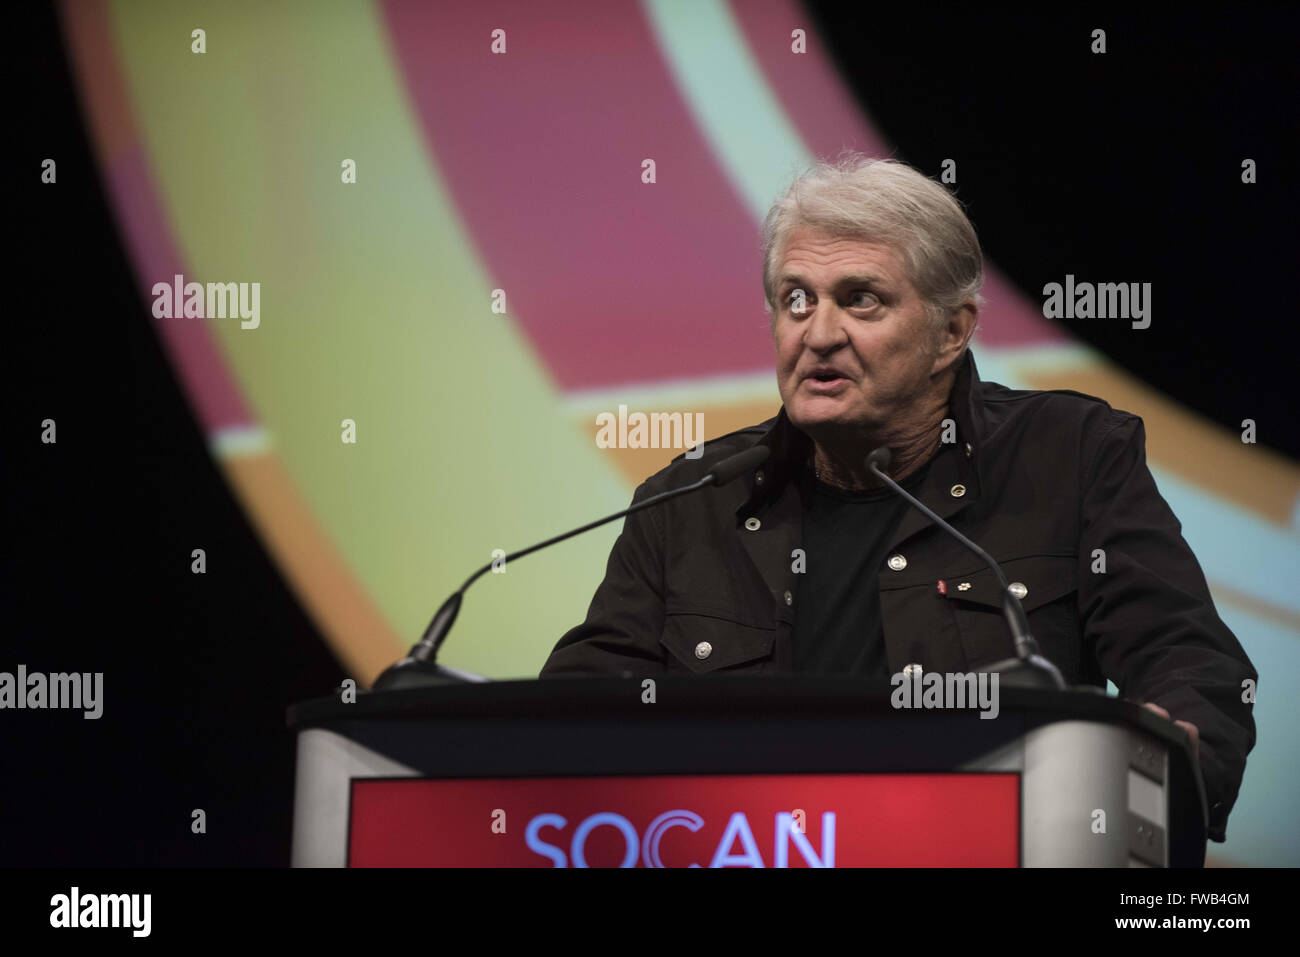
(862, 351)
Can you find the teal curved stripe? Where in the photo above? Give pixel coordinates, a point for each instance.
(727, 94)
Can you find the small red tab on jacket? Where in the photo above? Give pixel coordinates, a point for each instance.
(943, 587)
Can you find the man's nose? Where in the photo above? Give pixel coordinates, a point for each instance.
(822, 329)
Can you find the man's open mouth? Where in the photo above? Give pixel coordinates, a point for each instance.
(826, 375)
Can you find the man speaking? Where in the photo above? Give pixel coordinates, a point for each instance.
(871, 274)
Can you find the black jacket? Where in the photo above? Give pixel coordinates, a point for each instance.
(1041, 480)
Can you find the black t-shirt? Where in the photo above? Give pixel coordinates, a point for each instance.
(837, 607)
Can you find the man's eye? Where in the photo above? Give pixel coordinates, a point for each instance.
(871, 299)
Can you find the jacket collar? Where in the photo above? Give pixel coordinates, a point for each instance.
(791, 447)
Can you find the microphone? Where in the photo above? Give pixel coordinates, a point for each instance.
(1028, 668)
(420, 669)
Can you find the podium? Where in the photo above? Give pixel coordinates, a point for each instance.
(738, 771)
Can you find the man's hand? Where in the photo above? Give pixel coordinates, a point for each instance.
(1185, 725)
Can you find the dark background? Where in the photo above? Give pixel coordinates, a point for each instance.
(1122, 167)
(1116, 167)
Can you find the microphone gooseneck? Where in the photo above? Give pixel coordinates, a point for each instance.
(1028, 666)
(419, 668)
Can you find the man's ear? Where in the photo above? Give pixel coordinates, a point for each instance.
(955, 334)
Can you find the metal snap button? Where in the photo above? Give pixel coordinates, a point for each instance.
(897, 562)
(1017, 589)
(753, 524)
(958, 491)
(703, 650)
(789, 598)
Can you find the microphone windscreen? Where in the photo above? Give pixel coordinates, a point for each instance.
(737, 465)
(880, 458)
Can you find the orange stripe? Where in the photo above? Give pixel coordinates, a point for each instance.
(1204, 453)
(353, 626)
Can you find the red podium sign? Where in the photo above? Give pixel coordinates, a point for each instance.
(719, 820)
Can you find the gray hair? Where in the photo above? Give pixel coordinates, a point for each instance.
(883, 201)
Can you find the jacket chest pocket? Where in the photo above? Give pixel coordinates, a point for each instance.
(703, 643)
(1048, 591)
